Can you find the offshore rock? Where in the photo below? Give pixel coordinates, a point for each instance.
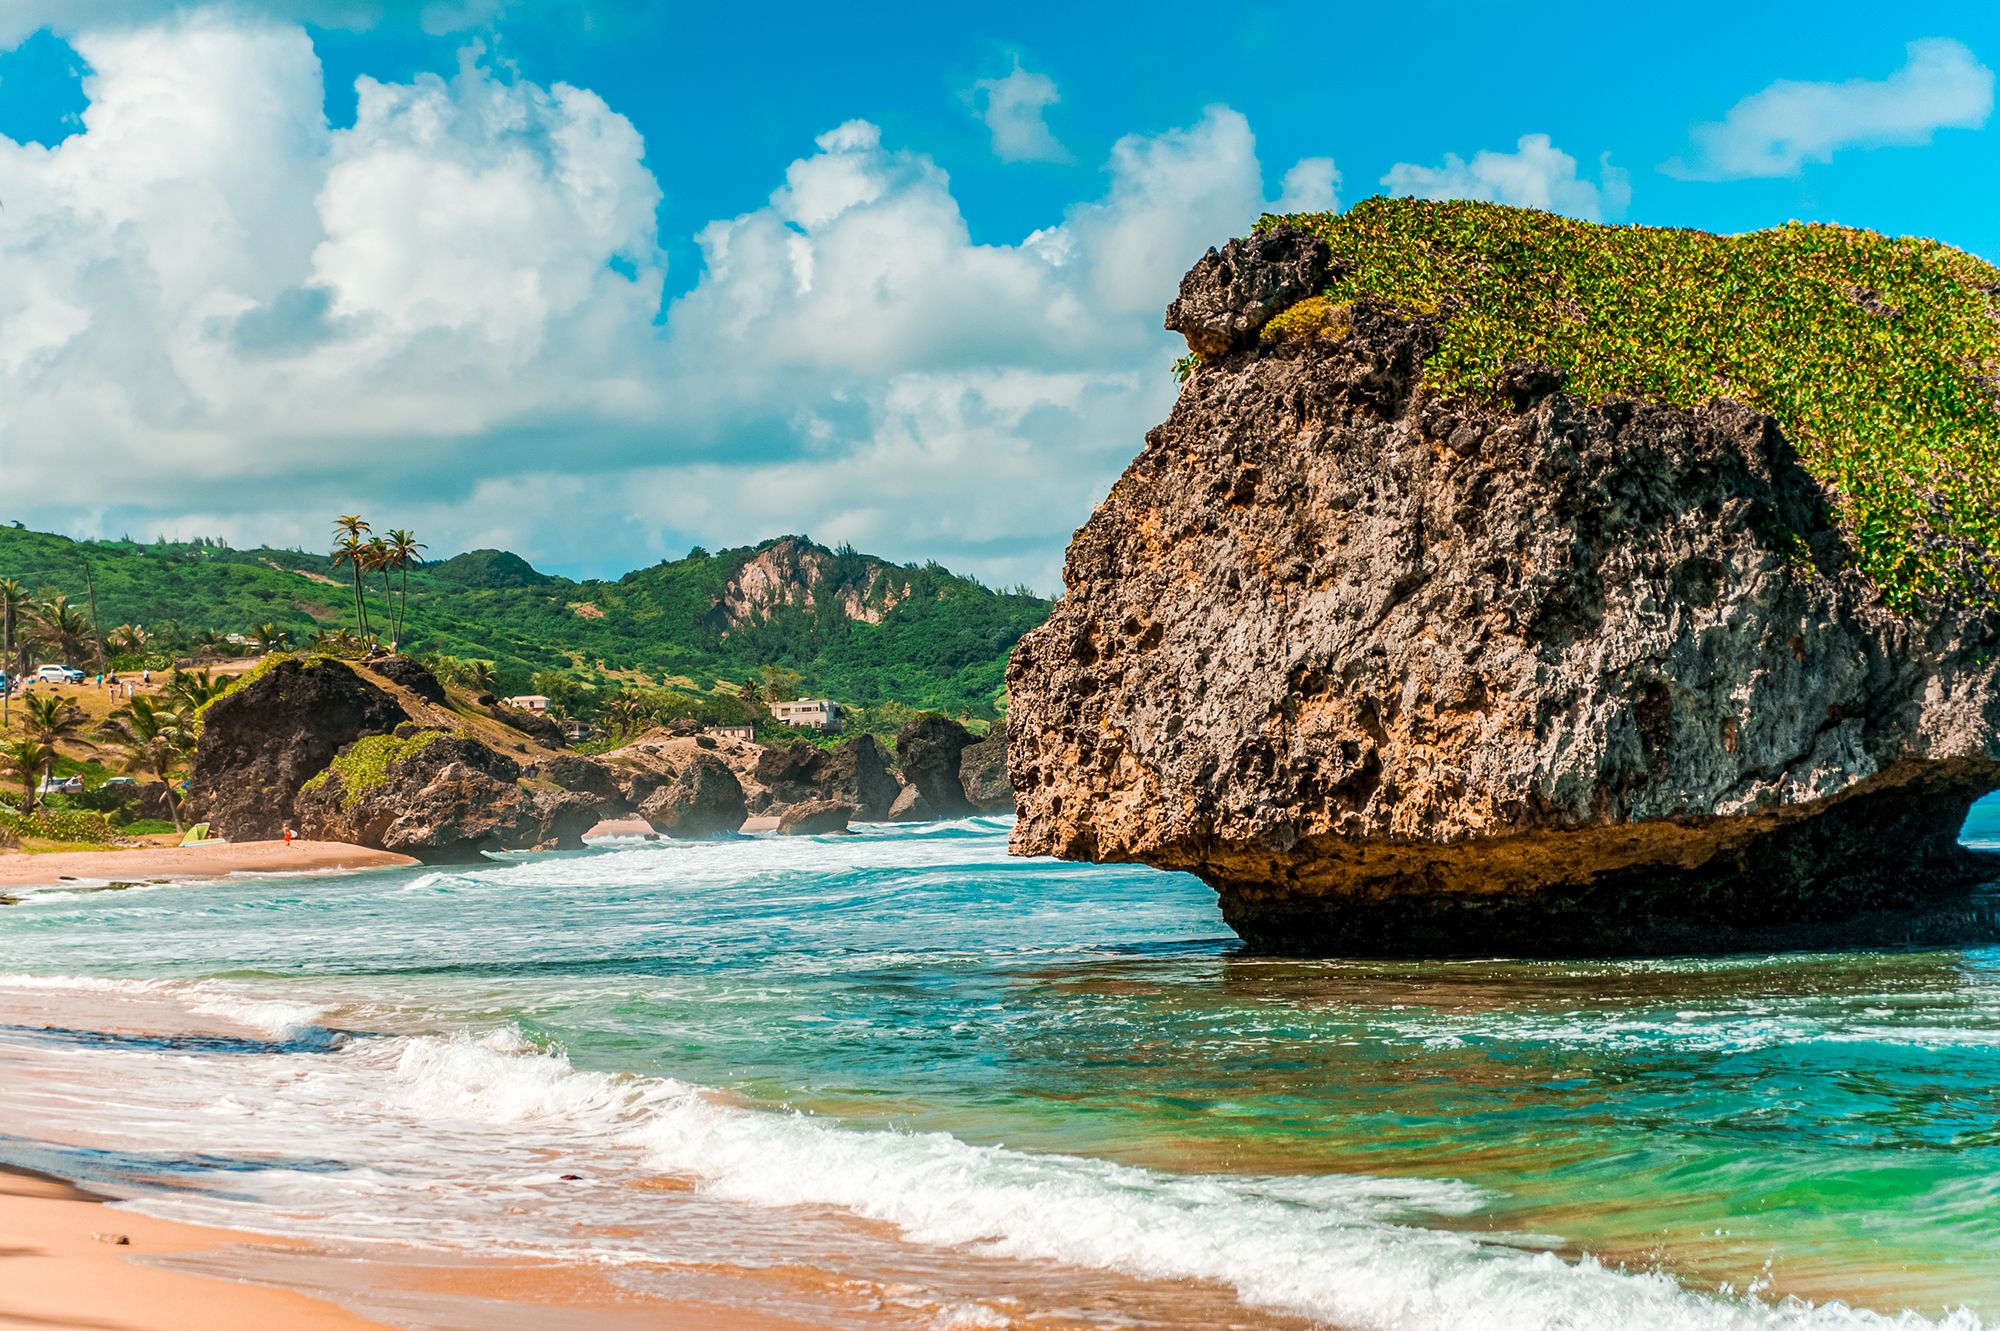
(928, 750)
(269, 736)
(1400, 675)
(982, 774)
(703, 800)
(815, 818)
(855, 773)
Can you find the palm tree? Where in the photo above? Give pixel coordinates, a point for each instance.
(63, 629)
(126, 640)
(336, 642)
(154, 738)
(48, 718)
(629, 711)
(213, 643)
(190, 689)
(480, 677)
(347, 548)
(27, 760)
(380, 557)
(268, 637)
(404, 545)
(13, 600)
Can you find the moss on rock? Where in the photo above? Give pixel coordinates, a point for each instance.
(1879, 356)
(366, 763)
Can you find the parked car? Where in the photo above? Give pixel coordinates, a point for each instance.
(62, 785)
(58, 674)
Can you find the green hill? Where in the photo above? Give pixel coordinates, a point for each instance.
(856, 628)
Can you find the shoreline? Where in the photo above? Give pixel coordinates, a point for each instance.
(61, 1265)
(56, 1270)
(199, 863)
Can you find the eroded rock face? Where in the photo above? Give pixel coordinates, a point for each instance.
(815, 818)
(270, 736)
(412, 675)
(445, 801)
(928, 749)
(1233, 292)
(703, 800)
(982, 774)
(1400, 675)
(855, 773)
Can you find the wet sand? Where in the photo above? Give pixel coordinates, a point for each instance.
(56, 1271)
(215, 859)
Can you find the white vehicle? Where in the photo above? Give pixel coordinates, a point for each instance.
(58, 674)
(62, 785)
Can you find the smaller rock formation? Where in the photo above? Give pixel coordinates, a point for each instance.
(440, 797)
(273, 733)
(412, 675)
(815, 818)
(982, 774)
(855, 773)
(1229, 295)
(540, 729)
(584, 776)
(911, 807)
(703, 800)
(928, 750)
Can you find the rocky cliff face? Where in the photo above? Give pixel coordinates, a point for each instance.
(1396, 672)
(795, 573)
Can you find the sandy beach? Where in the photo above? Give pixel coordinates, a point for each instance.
(156, 864)
(59, 1267)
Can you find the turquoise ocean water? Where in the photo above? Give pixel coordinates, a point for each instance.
(982, 1091)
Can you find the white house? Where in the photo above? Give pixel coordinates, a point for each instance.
(809, 714)
(529, 702)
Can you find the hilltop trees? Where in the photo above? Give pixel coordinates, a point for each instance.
(384, 555)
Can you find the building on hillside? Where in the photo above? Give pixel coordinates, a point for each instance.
(529, 702)
(809, 714)
(733, 732)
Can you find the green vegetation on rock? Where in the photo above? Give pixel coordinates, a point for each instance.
(1879, 357)
(366, 763)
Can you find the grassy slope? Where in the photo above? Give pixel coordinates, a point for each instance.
(1880, 357)
(943, 647)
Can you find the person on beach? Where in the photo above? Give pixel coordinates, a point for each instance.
(288, 834)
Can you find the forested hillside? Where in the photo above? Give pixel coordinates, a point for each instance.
(849, 626)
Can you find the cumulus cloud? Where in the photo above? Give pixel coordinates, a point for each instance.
(450, 315)
(1537, 174)
(1014, 109)
(1311, 186)
(1777, 131)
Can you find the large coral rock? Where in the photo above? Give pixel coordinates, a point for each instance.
(982, 774)
(928, 750)
(1395, 674)
(703, 800)
(275, 732)
(1233, 292)
(440, 797)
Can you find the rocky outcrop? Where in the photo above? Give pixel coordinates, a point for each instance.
(815, 818)
(541, 729)
(1397, 673)
(982, 774)
(412, 675)
(928, 749)
(703, 800)
(854, 773)
(264, 740)
(440, 797)
(795, 573)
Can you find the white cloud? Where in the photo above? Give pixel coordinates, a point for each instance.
(1311, 186)
(1775, 132)
(1014, 109)
(1537, 174)
(19, 18)
(449, 315)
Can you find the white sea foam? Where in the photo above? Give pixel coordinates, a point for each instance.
(1348, 1249)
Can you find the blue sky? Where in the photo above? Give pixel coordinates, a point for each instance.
(601, 281)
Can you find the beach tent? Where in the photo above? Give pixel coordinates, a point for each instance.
(195, 835)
